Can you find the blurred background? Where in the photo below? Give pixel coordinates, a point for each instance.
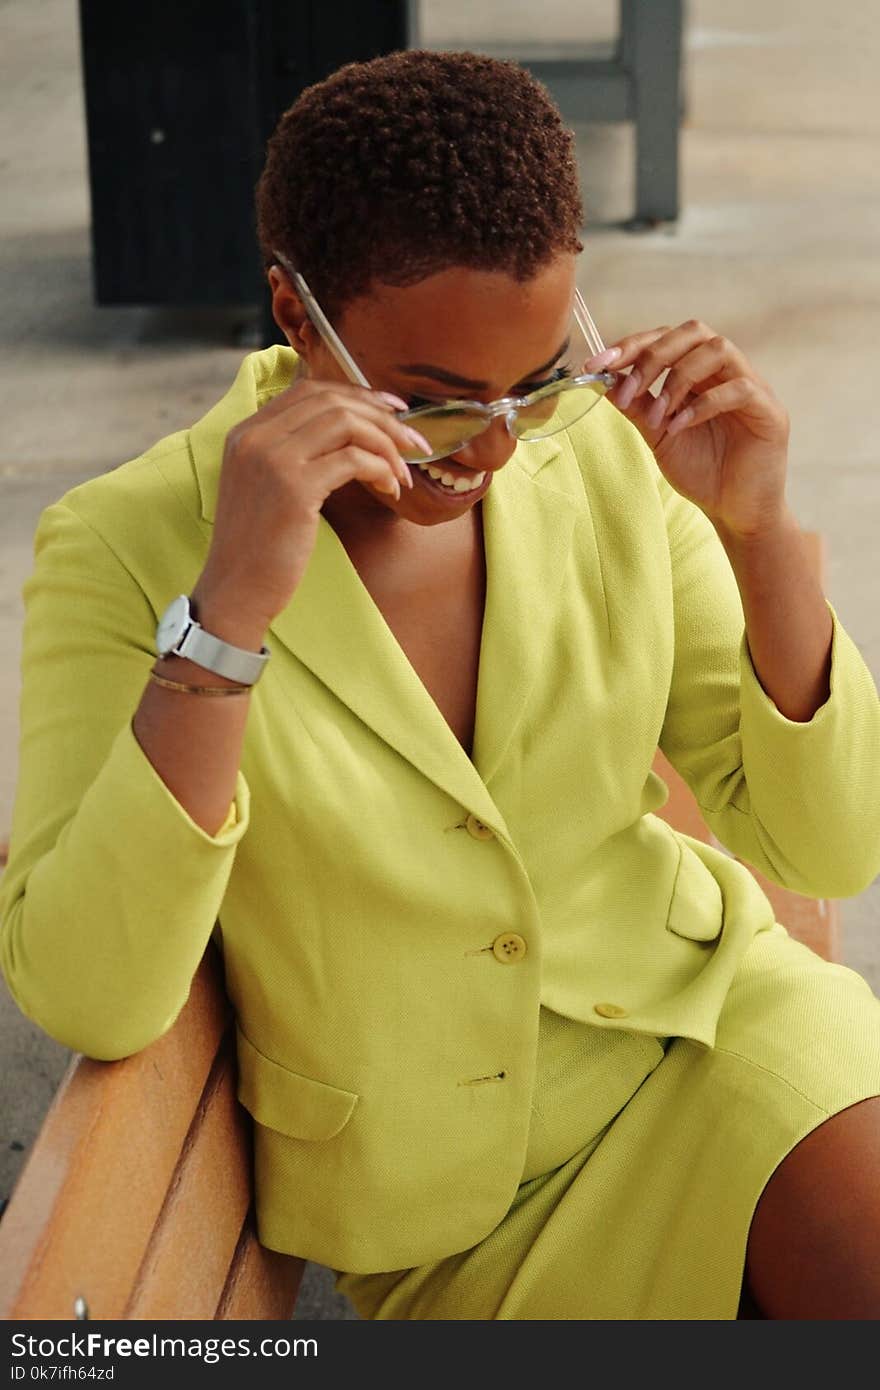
(729, 159)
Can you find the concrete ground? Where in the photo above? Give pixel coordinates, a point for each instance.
(775, 248)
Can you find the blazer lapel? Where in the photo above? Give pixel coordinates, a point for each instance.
(334, 627)
(528, 527)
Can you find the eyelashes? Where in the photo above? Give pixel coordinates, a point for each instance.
(560, 374)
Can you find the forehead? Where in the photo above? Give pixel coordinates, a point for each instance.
(484, 325)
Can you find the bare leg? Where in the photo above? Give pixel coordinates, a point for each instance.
(814, 1245)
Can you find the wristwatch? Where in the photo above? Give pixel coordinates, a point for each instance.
(179, 634)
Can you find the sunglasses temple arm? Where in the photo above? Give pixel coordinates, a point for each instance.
(325, 328)
(323, 325)
(348, 365)
(586, 324)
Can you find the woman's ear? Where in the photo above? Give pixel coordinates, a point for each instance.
(289, 313)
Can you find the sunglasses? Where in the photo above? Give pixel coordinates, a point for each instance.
(449, 425)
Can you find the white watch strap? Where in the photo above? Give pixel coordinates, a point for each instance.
(222, 657)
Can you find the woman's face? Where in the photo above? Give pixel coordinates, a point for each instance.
(459, 333)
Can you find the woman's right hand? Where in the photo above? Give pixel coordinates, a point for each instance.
(279, 466)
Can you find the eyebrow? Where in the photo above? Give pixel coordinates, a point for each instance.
(425, 369)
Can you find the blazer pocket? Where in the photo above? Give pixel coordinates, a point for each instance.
(284, 1100)
(696, 910)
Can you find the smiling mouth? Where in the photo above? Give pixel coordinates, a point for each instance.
(453, 483)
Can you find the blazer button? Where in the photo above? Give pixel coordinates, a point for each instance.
(610, 1010)
(508, 947)
(478, 829)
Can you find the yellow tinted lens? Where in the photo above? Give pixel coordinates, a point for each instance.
(445, 430)
(557, 411)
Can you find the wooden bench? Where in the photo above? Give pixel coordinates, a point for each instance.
(135, 1201)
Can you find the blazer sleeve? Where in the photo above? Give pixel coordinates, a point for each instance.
(799, 801)
(111, 891)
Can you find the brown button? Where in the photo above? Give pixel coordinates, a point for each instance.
(609, 1010)
(508, 947)
(478, 829)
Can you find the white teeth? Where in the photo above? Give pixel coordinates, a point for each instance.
(449, 480)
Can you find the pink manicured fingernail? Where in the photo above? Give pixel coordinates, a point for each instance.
(393, 400)
(679, 421)
(419, 440)
(657, 411)
(603, 359)
(628, 390)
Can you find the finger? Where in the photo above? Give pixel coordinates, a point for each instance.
(666, 350)
(330, 429)
(626, 349)
(717, 358)
(741, 395)
(310, 425)
(310, 389)
(642, 413)
(377, 407)
(630, 347)
(355, 462)
(709, 360)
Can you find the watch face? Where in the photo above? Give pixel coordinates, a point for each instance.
(173, 624)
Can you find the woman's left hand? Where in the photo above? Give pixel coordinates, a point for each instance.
(717, 431)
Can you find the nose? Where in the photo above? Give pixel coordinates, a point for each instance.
(489, 451)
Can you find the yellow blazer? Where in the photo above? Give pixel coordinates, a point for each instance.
(391, 912)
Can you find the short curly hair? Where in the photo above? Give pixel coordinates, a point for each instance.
(394, 169)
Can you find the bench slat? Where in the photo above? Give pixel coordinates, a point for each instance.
(184, 1270)
(262, 1283)
(84, 1208)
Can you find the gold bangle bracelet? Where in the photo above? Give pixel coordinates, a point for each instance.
(201, 689)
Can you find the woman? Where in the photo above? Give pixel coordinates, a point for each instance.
(514, 1048)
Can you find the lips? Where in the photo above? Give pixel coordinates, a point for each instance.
(448, 495)
(455, 469)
